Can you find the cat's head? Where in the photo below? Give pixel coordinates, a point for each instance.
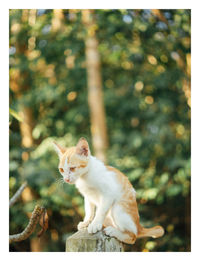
(73, 161)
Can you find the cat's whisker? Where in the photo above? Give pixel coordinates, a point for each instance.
(60, 182)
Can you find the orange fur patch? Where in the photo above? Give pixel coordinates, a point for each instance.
(128, 200)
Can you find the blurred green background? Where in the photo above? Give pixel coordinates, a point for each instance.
(145, 71)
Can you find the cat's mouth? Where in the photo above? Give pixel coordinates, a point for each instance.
(68, 181)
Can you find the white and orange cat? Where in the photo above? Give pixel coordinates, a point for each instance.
(110, 199)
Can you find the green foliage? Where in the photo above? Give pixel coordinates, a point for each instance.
(145, 71)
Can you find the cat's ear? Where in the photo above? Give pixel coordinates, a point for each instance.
(60, 150)
(82, 148)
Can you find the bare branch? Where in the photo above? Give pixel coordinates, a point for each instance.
(17, 194)
(35, 217)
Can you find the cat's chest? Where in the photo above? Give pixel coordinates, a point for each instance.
(88, 191)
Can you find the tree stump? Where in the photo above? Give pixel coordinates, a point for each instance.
(81, 241)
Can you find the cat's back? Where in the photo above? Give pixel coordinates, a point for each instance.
(120, 177)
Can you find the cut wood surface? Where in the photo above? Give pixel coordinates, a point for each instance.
(81, 241)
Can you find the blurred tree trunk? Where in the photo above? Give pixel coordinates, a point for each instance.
(95, 92)
(19, 80)
(57, 20)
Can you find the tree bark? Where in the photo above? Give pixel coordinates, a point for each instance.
(95, 92)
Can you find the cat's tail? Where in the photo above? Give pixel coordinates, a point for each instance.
(154, 232)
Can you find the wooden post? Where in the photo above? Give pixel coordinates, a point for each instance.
(81, 241)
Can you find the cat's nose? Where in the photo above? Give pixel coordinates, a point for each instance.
(61, 170)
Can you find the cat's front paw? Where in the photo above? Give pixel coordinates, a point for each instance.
(94, 227)
(83, 224)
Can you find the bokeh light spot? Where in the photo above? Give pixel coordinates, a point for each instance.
(149, 99)
(152, 59)
(71, 96)
(139, 85)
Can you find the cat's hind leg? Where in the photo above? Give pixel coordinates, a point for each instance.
(123, 219)
(126, 236)
(124, 228)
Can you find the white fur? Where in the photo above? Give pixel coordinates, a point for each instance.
(100, 187)
(66, 164)
(98, 182)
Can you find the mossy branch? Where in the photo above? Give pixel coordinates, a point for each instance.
(35, 218)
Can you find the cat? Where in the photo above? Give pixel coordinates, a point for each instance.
(109, 198)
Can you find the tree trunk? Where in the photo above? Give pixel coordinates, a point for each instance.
(19, 82)
(57, 21)
(95, 92)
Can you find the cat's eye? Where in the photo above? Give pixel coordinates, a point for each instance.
(61, 170)
(72, 169)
